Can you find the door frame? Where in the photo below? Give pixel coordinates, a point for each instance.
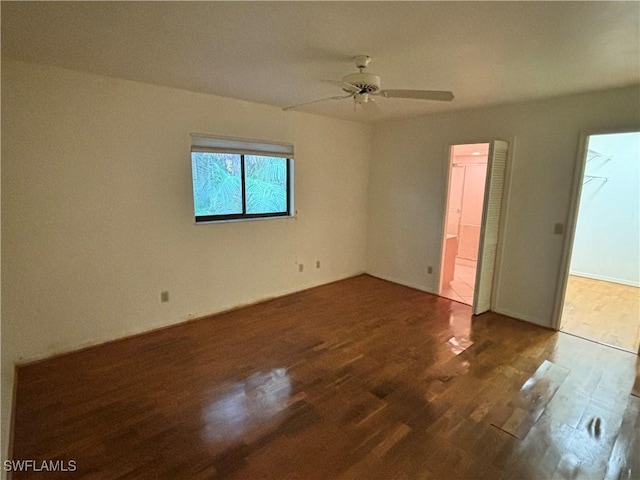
(447, 184)
(503, 211)
(572, 217)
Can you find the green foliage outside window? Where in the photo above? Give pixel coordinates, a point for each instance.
(219, 190)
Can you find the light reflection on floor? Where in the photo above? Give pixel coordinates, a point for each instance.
(460, 324)
(251, 403)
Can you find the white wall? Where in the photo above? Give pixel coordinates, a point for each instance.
(407, 190)
(607, 241)
(98, 213)
(97, 205)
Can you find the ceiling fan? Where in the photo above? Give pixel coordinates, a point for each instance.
(364, 86)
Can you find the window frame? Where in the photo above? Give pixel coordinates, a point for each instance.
(241, 147)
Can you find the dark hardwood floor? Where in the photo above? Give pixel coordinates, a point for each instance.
(359, 379)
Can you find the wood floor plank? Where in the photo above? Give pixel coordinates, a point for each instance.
(532, 399)
(359, 379)
(625, 457)
(602, 311)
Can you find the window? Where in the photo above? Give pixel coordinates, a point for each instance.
(240, 179)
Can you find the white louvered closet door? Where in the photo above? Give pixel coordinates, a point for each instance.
(489, 232)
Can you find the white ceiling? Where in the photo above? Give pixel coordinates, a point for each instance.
(279, 53)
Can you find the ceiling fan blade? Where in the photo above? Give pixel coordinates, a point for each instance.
(290, 107)
(440, 95)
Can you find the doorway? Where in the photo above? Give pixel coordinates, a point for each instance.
(463, 220)
(601, 297)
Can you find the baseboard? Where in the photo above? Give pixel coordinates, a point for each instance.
(501, 311)
(32, 359)
(524, 318)
(606, 279)
(416, 286)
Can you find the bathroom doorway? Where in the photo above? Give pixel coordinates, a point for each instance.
(465, 201)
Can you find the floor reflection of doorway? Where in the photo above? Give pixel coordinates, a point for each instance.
(602, 311)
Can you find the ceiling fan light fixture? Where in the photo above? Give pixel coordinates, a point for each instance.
(361, 98)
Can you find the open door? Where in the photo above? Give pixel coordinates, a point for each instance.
(489, 231)
(598, 294)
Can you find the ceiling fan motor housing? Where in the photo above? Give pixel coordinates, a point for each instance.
(366, 82)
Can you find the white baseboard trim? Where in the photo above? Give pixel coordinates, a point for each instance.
(629, 283)
(25, 360)
(417, 286)
(524, 318)
(502, 311)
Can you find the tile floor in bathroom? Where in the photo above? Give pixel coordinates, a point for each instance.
(461, 287)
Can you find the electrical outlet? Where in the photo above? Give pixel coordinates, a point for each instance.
(317, 263)
(429, 269)
(300, 267)
(164, 296)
